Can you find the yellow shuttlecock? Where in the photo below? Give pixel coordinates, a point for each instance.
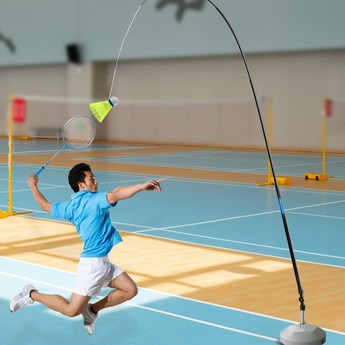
(101, 109)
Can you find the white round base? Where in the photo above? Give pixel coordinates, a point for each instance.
(303, 335)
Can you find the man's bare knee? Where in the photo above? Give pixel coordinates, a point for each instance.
(73, 311)
(132, 292)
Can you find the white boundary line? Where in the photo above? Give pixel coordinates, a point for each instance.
(152, 309)
(169, 229)
(179, 316)
(242, 242)
(147, 229)
(243, 251)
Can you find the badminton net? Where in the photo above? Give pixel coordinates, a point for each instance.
(225, 122)
(43, 120)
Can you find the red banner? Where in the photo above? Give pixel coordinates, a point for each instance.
(328, 107)
(19, 110)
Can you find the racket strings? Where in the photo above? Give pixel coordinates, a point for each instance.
(79, 132)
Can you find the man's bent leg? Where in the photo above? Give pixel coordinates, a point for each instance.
(58, 303)
(125, 289)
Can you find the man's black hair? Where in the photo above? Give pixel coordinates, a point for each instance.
(77, 174)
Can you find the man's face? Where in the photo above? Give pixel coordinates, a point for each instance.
(90, 182)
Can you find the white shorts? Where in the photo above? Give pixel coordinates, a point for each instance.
(94, 274)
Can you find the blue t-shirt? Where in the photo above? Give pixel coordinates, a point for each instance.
(89, 212)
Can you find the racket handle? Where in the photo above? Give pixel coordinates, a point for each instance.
(38, 171)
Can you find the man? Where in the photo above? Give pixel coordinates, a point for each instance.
(88, 210)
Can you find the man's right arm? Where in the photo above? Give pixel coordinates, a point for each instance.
(40, 199)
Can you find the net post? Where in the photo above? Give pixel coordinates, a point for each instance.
(10, 212)
(10, 155)
(326, 111)
(4, 214)
(269, 121)
(269, 125)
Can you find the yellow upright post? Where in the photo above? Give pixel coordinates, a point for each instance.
(269, 126)
(324, 140)
(10, 158)
(326, 112)
(10, 212)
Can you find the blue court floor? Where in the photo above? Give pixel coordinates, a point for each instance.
(227, 215)
(244, 162)
(151, 318)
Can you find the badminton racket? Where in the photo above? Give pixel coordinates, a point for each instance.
(77, 134)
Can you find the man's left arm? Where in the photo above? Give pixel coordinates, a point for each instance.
(125, 192)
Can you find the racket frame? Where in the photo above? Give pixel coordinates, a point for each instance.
(67, 144)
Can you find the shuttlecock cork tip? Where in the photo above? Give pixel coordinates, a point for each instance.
(114, 101)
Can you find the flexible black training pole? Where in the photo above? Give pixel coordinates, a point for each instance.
(281, 206)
